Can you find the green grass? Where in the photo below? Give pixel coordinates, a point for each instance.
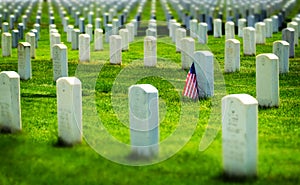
(32, 156)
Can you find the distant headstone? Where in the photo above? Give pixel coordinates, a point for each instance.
(151, 32)
(180, 34)
(115, 49)
(124, 33)
(84, 48)
(98, 23)
(275, 23)
(54, 39)
(150, 50)
(30, 38)
(144, 120)
(267, 80)
(81, 25)
(281, 49)
(36, 36)
(229, 30)
(260, 33)
(108, 32)
(75, 39)
(60, 61)
(239, 135)
(174, 27)
(115, 26)
(288, 35)
(294, 25)
(217, 28)
(5, 27)
(69, 110)
(242, 23)
(232, 55)
(24, 61)
(193, 28)
(89, 31)
(269, 27)
(98, 44)
(249, 41)
(204, 66)
(21, 31)
(6, 43)
(10, 103)
(15, 38)
(69, 33)
(202, 35)
(187, 52)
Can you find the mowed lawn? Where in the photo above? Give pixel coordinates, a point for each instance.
(33, 156)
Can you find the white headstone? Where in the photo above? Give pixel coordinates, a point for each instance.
(69, 33)
(174, 27)
(241, 25)
(60, 61)
(267, 80)
(89, 31)
(144, 120)
(30, 38)
(130, 28)
(124, 33)
(24, 61)
(281, 49)
(69, 110)
(204, 66)
(232, 55)
(115, 49)
(275, 23)
(239, 135)
(10, 103)
(260, 33)
(54, 39)
(180, 34)
(288, 35)
(269, 27)
(229, 30)
(6, 44)
(193, 28)
(294, 25)
(217, 28)
(202, 36)
(150, 58)
(75, 39)
(187, 52)
(249, 41)
(98, 44)
(84, 48)
(151, 32)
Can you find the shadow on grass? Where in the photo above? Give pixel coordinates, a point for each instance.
(223, 177)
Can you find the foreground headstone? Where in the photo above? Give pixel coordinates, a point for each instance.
(84, 48)
(144, 120)
(217, 28)
(24, 61)
(125, 39)
(187, 52)
(115, 49)
(10, 103)
(281, 49)
(150, 58)
(249, 41)
(239, 135)
(232, 55)
(180, 34)
(69, 110)
(60, 61)
(98, 44)
(288, 35)
(6, 42)
(267, 80)
(30, 38)
(204, 66)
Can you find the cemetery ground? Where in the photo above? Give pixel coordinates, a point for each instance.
(34, 157)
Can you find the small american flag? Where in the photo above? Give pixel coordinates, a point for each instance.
(191, 88)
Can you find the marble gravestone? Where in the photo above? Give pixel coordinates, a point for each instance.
(10, 102)
(115, 49)
(124, 33)
(24, 61)
(84, 48)
(150, 58)
(75, 39)
(54, 39)
(249, 41)
(294, 25)
(269, 27)
(144, 120)
(6, 43)
(98, 40)
(69, 32)
(241, 25)
(30, 38)
(260, 33)
(232, 55)
(217, 28)
(281, 49)
(239, 135)
(229, 30)
(60, 61)
(288, 35)
(202, 35)
(204, 67)
(187, 52)
(267, 80)
(180, 34)
(69, 110)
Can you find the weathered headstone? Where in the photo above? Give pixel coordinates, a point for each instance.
(281, 49)
(267, 80)
(249, 41)
(115, 49)
(10, 103)
(125, 39)
(24, 61)
(144, 120)
(217, 28)
(98, 44)
(6, 42)
(150, 50)
(30, 38)
(239, 135)
(180, 34)
(84, 48)
(229, 30)
(187, 52)
(204, 66)
(69, 110)
(60, 61)
(241, 25)
(75, 39)
(260, 33)
(202, 36)
(288, 35)
(232, 55)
